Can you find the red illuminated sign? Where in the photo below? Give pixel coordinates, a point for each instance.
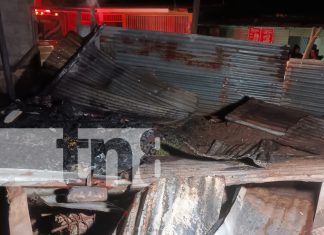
(43, 12)
(261, 34)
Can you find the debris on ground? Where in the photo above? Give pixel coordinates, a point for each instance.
(177, 206)
(227, 149)
(12, 116)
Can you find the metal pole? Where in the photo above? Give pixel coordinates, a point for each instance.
(93, 18)
(195, 18)
(5, 62)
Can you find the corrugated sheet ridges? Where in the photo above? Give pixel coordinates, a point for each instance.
(178, 206)
(219, 70)
(306, 135)
(304, 85)
(93, 80)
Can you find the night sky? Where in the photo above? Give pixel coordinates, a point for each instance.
(227, 11)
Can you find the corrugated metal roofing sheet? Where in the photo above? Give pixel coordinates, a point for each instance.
(306, 135)
(262, 210)
(304, 86)
(219, 70)
(180, 206)
(93, 80)
(264, 116)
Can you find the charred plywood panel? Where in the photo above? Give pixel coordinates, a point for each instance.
(178, 206)
(309, 169)
(269, 211)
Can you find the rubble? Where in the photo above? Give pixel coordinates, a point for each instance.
(198, 174)
(73, 223)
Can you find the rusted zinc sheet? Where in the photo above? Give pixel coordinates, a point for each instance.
(219, 70)
(177, 206)
(272, 211)
(306, 135)
(93, 80)
(304, 86)
(265, 116)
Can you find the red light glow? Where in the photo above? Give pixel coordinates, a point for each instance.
(45, 12)
(261, 34)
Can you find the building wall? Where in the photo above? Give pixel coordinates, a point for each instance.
(281, 35)
(19, 28)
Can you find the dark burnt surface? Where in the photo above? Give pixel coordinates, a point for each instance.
(45, 112)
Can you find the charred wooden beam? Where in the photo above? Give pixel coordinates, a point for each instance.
(308, 169)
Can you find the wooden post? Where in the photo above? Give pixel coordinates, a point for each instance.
(19, 220)
(314, 34)
(195, 19)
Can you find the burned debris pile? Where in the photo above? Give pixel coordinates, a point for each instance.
(158, 133)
